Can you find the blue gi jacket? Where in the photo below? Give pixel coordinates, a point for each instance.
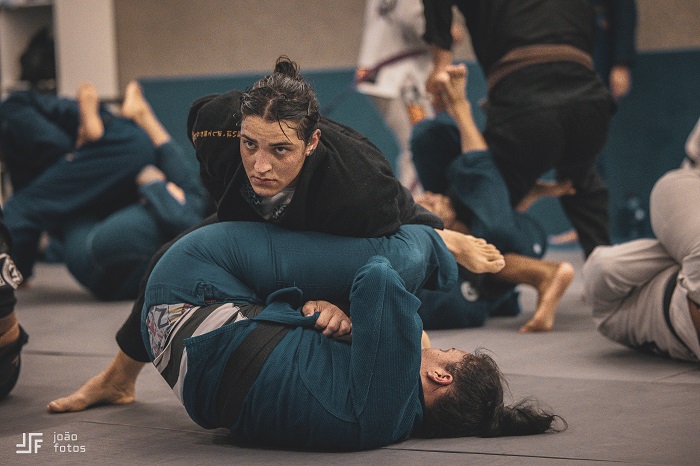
(314, 392)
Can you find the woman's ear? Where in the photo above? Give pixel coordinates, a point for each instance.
(440, 377)
(313, 142)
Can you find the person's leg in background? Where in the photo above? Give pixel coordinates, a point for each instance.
(586, 124)
(675, 221)
(526, 145)
(110, 256)
(179, 174)
(624, 284)
(397, 118)
(36, 130)
(98, 178)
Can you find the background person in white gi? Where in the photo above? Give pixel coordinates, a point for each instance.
(393, 67)
(645, 293)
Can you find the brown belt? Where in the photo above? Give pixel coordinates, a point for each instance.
(521, 57)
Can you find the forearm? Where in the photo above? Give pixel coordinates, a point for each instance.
(172, 214)
(386, 336)
(442, 58)
(471, 138)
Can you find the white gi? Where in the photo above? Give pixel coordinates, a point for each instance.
(626, 283)
(394, 29)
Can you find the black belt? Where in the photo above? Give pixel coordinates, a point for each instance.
(668, 294)
(243, 367)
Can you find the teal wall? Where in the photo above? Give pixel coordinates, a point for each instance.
(647, 135)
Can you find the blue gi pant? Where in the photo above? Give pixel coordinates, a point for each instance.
(109, 256)
(97, 179)
(244, 262)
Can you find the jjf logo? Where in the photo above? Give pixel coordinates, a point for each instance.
(31, 442)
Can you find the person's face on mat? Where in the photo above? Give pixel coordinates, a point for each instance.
(434, 357)
(273, 154)
(435, 378)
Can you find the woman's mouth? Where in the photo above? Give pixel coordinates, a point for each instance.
(262, 181)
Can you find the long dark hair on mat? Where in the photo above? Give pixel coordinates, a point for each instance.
(474, 406)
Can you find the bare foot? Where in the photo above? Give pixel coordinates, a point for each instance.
(473, 253)
(135, 105)
(137, 108)
(549, 294)
(116, 385)
(91, 127)
(546, 189)
(567, 237)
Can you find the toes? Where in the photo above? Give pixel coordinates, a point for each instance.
(495, 266)
(63, 405)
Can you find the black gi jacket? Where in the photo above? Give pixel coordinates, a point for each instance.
(346, 187)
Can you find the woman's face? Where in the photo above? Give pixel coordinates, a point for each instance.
(273, 158)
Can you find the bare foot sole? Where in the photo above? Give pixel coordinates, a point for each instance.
(91, 127)
(550, 293)
(135, 105)
(137, 108)
(475, 254)
(97, 391)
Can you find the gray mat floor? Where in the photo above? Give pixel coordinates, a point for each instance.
(621, 406)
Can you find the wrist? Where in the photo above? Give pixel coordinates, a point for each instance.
(149, 174)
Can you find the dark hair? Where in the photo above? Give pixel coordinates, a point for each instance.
(283, 95)
(474, 406)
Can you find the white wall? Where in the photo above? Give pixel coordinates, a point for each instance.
(195, 37)
(86, 46)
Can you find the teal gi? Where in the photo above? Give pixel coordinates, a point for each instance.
(312, 392)
(482, 202)
(86, 198)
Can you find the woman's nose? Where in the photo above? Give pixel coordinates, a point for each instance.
(262, 163)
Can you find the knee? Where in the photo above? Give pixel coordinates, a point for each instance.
(667, 187)
(598, 261)
(17, 211)
(376, 267)
(601, 263)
